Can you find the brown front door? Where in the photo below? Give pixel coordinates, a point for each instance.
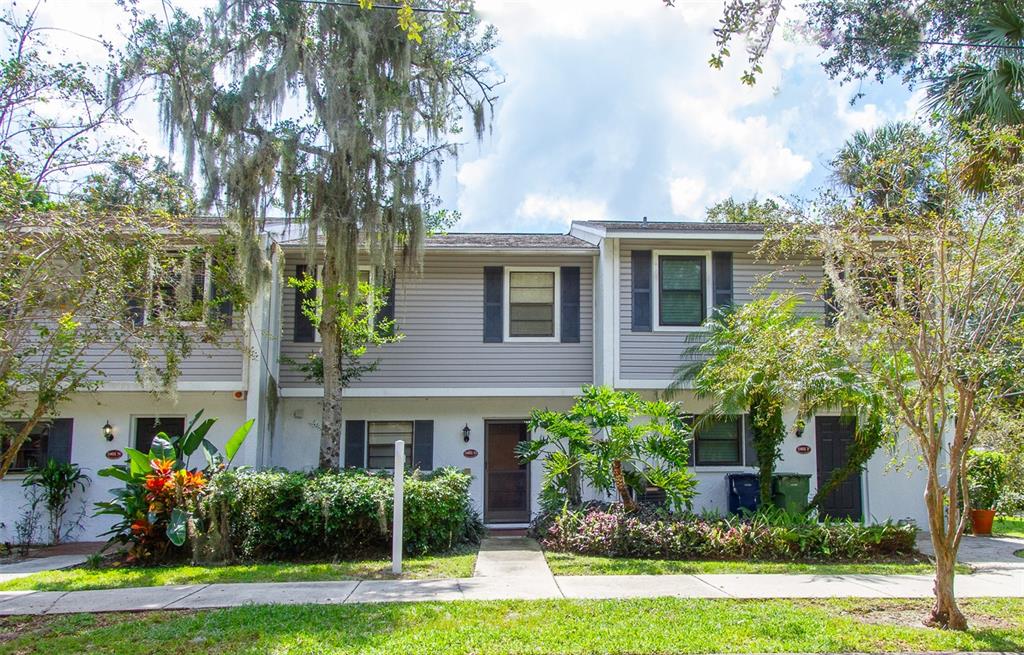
(506, 480)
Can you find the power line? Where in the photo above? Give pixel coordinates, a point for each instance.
(342, 3)
(954, 44)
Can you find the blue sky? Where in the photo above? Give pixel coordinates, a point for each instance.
(610, 111)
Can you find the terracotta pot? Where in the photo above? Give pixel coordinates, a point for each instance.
(981, 521)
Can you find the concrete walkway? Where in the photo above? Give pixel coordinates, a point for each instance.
(511, 568)
(26, 567)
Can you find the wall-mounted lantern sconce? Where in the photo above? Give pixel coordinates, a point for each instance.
(465, 433)
(108, 431)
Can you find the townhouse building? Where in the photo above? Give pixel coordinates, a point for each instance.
(493, 326)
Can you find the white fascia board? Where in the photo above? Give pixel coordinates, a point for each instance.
(216, 385)
(648, 384)
(686, 236)
(588, 233)
(436, 392)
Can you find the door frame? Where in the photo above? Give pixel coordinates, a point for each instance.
(862, 475)
(529, 466)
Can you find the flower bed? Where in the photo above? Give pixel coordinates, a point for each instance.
(609, 532)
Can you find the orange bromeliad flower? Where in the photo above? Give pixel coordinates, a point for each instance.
(162, 467)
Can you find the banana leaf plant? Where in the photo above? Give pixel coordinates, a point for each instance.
(161, 490)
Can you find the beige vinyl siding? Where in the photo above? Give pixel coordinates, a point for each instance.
(655, 355)
(208, 362)
(440, 314)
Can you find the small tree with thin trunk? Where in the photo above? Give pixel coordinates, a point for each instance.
(931, 291)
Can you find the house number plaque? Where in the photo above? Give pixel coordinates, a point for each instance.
(803, 449)
(470, 452)
(114, 453)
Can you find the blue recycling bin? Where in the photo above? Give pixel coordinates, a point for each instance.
(744, 492)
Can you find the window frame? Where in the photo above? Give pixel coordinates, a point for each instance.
(134, 425)
(320, 294)
(708, 292)
(47, 425)
(739, 420)
(366, 443)
(147, 308)
(556, 304)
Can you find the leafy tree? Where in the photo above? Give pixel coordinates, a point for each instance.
(605, 431)
(759, 359)
(933, 311)
(751, 211)
(141, 184)
(361, 325)
(987, 81)
(327, 112)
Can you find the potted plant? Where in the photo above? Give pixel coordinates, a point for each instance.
(986, 475)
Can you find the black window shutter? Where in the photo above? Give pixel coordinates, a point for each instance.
(136, 312)
(641, 268)
(355, 444)
(831, 305)
(494, 321)
(387, 312)
(58, 444)
(749, 452)
(423, 446)
(721, 274)
(225, 309)
(303, 326)
(570, 304)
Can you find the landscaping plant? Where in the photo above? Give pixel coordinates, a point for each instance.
(605, 432)
(158, 503)
(770, 535)
(280, 515)
(57, 483)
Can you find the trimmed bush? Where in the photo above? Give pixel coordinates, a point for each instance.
(279, 515)
(613, 533)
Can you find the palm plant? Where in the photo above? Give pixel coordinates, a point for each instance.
(766, 356)
(58, 482)
(989, 82)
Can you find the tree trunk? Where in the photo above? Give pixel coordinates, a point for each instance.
(945, 613)
(575, 490)
(332, 422)
(620, 485)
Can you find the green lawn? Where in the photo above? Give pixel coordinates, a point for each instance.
(556, 626)
(1009, 527)
(570, 564)
(457, 564)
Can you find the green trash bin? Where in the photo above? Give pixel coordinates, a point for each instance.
(790, 491)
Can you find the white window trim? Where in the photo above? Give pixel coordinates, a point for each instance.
(506, 308)
(656, 289)
(320, 294)
(207, 292)
(366, 440)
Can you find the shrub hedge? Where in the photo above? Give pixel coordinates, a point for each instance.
(279, 515)
(612, 533)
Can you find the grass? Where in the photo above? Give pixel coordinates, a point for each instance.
(1008, 527)
(570, 564)
(456, 564)
(666, 625)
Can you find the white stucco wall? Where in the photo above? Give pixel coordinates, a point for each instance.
(90, 412)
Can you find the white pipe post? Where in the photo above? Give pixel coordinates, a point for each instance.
(396, 530)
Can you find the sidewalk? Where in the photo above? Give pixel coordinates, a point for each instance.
(510, 568)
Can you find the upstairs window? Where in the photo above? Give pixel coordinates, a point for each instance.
(532, 297)
(682, 290)
(719, 442)
(181, 286)
(380, 443)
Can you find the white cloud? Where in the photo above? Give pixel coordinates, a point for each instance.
(685, 193)
(561, 208)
